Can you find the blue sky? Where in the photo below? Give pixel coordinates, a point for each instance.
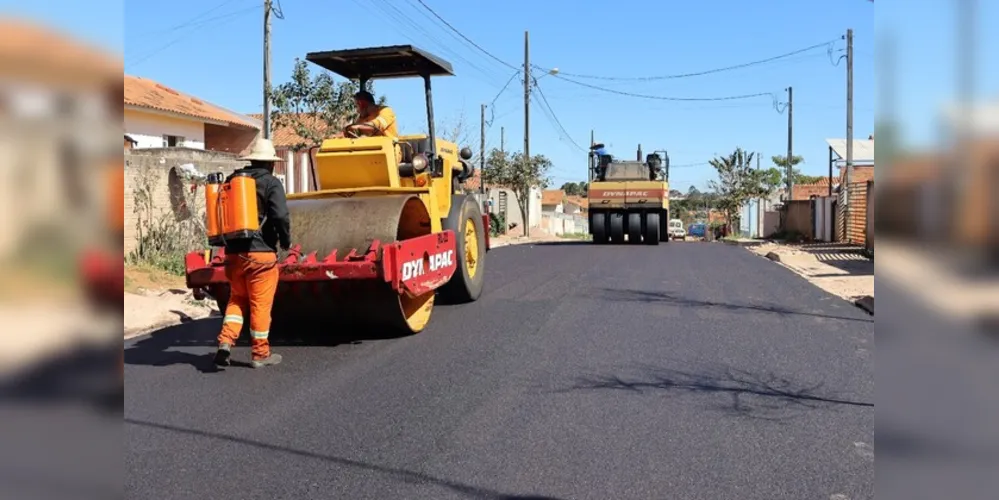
(218, 57)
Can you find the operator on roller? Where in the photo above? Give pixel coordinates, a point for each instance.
(372, 119)
(251, 264)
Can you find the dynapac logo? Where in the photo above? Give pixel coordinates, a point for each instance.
(415, 268)
(635, 194)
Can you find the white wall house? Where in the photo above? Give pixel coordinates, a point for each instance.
(157, 129)
(157, 116)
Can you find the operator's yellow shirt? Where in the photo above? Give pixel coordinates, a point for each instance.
(382, 119)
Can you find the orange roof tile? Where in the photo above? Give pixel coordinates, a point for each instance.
(145, 93)
(579, 201)
(283, 136)
(28, 46)
(552, 196)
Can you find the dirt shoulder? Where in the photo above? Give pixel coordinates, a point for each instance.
(154, 299)
(841, 270)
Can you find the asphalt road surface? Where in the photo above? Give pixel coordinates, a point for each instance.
(683, 371)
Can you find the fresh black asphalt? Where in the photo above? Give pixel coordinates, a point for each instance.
(683, 371)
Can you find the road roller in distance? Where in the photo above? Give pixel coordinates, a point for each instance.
(629, 200)
(386, 231)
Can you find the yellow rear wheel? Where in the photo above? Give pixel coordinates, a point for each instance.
(471, 247)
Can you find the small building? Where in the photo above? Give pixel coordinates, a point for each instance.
(157, 116)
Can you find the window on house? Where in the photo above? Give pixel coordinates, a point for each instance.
(173, 141)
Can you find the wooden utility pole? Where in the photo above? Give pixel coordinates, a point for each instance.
(759, 203)
(527, 126)
(267, 69)
(790, 142)
(590, 159)
(482, 149)
(849, 133)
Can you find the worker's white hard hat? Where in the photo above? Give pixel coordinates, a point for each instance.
(263, 150)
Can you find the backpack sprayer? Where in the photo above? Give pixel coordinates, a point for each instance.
(231, 208)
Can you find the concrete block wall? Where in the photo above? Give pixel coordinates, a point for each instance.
(155, 165)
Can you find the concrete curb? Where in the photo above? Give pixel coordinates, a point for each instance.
(866, 303)
(738, 243)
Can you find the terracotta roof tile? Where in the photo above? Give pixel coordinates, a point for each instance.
(145, 93)
(579, 201)
(283, 137)
(552, 196)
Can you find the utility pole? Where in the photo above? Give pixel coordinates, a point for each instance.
(503, 140)
(527, 126)
(849, 132)
(267, 69)
(759, 204)
(790, 142)
(590, 159)
(482, 150)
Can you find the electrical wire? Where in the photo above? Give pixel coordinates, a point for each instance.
(828, 44)
(492, 109)
(224, 18)
(555, 117)
(771, 95)
(459, 33)
(187, 23)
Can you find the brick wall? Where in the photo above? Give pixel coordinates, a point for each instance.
(235, 140)
(153, 167)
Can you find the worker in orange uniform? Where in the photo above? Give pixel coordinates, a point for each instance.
(372, 119)
(251, 264)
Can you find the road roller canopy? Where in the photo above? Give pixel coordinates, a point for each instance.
(396, 61)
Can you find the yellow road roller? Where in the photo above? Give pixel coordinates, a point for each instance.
(386, 231)
(629, 199)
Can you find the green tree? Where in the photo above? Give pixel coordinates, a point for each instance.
(738, 181)
(576, 188)
(316, 106)
(796, 176)
(511, 171)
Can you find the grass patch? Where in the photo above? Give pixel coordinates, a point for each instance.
(575, 236)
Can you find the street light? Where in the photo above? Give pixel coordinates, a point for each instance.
(553, 71)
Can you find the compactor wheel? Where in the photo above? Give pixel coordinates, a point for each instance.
(652, 228)
(616, 227)
(331, 306)
(634, 228)
(599, 229)
(465, 220)
(663, 227)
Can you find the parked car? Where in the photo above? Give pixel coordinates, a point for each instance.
(698, 230)
(676, 230)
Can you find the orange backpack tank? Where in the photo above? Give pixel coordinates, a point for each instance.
(231, 208)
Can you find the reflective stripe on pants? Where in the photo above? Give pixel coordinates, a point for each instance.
(253, 279)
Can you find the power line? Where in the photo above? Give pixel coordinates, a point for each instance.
(224, 18)
(554, 116)
(452, 28)
(190, 21)
(827, 44)
(771, 95)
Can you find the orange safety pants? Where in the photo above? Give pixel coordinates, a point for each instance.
(253, 279)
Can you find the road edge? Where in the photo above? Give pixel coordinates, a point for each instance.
(865, 303)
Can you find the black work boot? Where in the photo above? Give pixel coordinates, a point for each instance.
(273, 359)
(222, 355)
